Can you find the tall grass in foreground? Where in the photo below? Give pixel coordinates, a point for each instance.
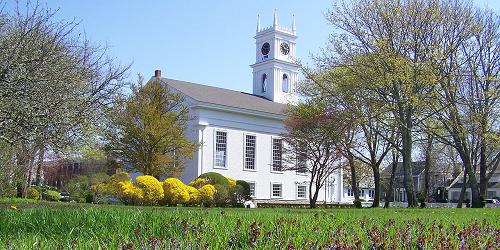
(73, 226)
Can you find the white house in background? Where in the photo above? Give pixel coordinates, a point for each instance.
(455, 187)
(366, 192)
(366, 184)
(240, 132)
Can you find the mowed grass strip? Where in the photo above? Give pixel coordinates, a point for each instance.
(51, 225)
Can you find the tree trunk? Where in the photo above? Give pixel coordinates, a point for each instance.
(312, 202)
(395, 159)
(483, 165)
(314, 197)
(376, 179)
(29, 178)
(472, 183)
(462, 191)
(23, 162)
(19, 191)
(407, 168)
(39, 164)
(428, 164)
(476, 200)
(354, 182)
(483, 177)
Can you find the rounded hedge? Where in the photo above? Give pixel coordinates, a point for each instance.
(176, 191)
(51, 195)
(215, 178)
(151, 187)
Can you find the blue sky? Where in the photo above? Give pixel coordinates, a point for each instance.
(208, 42)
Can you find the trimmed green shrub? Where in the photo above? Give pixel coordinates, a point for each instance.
(221, 197)
(215, 178)
(89, 197)
(242, 194)
(32, 193)
(51, 195)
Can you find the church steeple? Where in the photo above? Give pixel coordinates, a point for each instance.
(275, 72)
(258, 23)
(275, 18)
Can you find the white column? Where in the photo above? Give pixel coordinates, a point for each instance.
(201, 140)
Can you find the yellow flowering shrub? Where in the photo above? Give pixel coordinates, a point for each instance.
(231, 181)
(111, 186)
(175, 191)
(194, 194)
(129, 193)
(114, 186)
(198, 182)
(207, 193)
(152, 189)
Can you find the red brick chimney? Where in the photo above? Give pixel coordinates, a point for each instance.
(158, 73)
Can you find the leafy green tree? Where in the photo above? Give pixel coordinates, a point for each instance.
(397, 48)
(467, 108)
(149, 131)
(484, 69)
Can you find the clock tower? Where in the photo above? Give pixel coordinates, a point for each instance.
(275, 72)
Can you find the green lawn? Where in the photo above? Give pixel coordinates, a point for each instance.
(47, 225)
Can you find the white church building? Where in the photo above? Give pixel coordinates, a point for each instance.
(239, 132)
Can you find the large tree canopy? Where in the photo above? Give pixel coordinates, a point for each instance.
(150, 131)
(53, 82)
(54, 86)
(418, 60)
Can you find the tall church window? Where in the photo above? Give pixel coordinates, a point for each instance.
(277, 155)
(264, 83)
(285, 83)
(250, 152)
(220, 149)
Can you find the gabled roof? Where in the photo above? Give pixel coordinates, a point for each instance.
(461, 184)
(417, 167)
(493, 182)
(225, 97)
